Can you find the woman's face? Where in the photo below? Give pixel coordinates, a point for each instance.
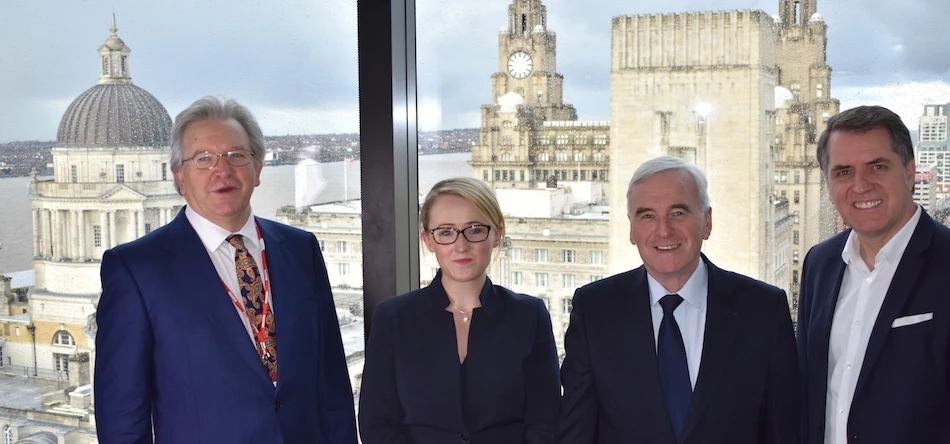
(462, 260)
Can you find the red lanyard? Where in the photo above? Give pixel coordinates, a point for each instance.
(260, 332)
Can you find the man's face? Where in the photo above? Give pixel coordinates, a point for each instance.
(223, 193)
(668, 226)
(869, 186)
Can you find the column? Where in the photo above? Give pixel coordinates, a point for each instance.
(140, 214)
(47, 238)
(112, 231)
(57, 232)
(81, 227)
(103, 230)
(37, 226)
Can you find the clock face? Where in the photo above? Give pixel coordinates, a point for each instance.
(520, 64)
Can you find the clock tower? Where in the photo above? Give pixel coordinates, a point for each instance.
(528, 134)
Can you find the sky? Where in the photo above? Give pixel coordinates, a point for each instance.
(294, 62)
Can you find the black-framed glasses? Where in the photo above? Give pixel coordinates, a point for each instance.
(206, 160)
(448, 235)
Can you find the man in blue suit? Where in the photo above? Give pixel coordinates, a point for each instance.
(874, 312)
(678, 350)
(206, 334)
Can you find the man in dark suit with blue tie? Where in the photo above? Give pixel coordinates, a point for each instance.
(206, 334)
(678, 350)
(874, 313)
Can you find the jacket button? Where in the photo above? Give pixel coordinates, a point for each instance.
(464, 437)
(277, 405)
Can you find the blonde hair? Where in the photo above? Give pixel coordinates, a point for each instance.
(468, 188)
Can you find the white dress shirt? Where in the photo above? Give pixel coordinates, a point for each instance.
(859, 302)
(214, 239)
(690, 315)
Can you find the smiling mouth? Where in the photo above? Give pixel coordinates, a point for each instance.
(462, 261)
(868, 204)
(667, 247)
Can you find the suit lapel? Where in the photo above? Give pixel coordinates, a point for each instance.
(911, 263)
(718, 343)
(832, 273)
(281, 269)
(636, 335)
(190, 263)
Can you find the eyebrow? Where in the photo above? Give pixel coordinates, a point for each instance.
(874, 161)
(679, 206)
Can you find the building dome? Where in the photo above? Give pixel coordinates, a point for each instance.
(783, 97)
(115, 115)
(510, 102)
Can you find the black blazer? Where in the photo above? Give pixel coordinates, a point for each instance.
(411, 390)
(903, 391)
(746, 390)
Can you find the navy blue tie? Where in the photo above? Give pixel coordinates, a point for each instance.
(671, 358)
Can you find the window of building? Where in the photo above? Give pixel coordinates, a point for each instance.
(506, 141)
(567, 304)
(506, 157)
(798, 196)
(580, 157)
(485, 175)
(120, 173)
(568, 256)
(795, 237)
(148, 227)
(342, 246)
(506, 124)
(567, 281)
(597, 257)
(561, 139)
(560, 157)
(544, 157)
(541, 255)
(798, 177)
(343, 269)
(516, 254)
(794, 276)
(323, 245)
(1, 351)
(516, 278)
(164, 171)
(73, 173)
(580, 139)
(97, 235)
(63, 337)
(541, 279)
(600, 157)
(61, 363)
(544, 140)
(7, 435)
(795, 256)
(600, 139)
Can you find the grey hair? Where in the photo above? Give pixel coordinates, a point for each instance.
(863, 119)
(211, 107)
(660, 164)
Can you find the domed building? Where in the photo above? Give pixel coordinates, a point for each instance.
(112, 184)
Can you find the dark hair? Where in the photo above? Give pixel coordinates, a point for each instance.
(863, 119)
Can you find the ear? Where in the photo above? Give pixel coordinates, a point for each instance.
(707, 228)
(427, 239)
(257, 174)
(499, 235)
(633, 236)
(911, 171)
(179, 180)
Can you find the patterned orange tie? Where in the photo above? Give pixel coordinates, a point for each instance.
(252, 291)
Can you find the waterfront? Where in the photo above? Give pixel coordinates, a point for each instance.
(276, 190)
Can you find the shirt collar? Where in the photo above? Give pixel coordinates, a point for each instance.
(212, 236)
(891, 251)
(694, 292)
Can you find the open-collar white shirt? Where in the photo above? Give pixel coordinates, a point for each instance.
(214, 239)
(859, 302)
(690, 315)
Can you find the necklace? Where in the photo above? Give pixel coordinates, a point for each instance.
(464, 314)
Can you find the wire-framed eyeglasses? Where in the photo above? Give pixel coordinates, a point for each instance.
(448, 235)
(206, 160)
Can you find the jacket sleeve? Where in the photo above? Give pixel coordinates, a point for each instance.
(579, 404)
(380, 413)
(338, 404)
(124, 372)
(543, 386)
(782, 410)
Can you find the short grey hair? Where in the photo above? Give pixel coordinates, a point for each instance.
(660, 164)
(211, 107)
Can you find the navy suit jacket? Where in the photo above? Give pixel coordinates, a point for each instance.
(411, 389)
(746, 389)
(173, 354)
(903, 391)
